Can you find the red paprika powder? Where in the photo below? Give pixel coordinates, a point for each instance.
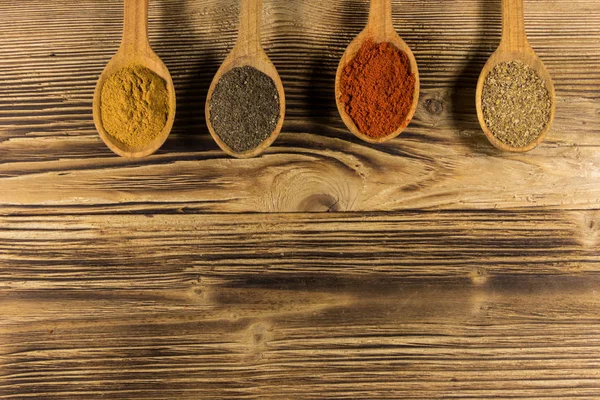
(377, 89)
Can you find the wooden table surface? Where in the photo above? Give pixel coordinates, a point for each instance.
(430, 267)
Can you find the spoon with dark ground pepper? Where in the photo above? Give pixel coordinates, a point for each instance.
(247, 66)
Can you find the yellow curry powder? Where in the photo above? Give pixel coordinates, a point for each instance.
(134, 106)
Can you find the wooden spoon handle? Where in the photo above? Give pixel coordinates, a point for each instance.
(248, 40)
(135, 26)
(514, 37)
(380, 18)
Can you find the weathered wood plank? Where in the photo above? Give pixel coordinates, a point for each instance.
(411, 305)
(143, 280)
(391, 341)
(50, 154)
(107, 248)
(313, 173)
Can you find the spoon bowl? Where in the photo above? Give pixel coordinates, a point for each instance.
(248, 51)
(135, 50)
(514, 46)
(379, 29)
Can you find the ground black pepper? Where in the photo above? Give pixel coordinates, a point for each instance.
(244, 108)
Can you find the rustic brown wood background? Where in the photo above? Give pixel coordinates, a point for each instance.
(430, 267)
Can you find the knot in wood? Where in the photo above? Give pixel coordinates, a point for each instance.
(434, 106)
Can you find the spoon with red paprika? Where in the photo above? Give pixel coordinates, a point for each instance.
(378, 32)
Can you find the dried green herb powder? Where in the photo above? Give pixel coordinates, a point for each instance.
(516, 103)
(244, 108)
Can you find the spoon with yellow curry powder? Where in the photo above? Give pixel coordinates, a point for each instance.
(134, 101)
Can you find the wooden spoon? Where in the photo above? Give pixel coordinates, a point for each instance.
(135, 50)
(248, 51)
(514, 46)
(380, 28)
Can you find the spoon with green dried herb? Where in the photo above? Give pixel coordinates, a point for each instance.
(515, 95)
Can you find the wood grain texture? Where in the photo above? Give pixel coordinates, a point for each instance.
(411, 305)
(52, 54)
(461, 272)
